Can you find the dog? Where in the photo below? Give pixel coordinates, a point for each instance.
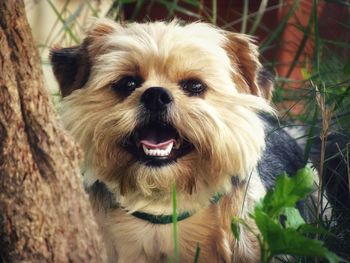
(163, 105)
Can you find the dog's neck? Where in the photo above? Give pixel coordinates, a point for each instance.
(108, 196)
(106, 199)
(161, 203)
(167, 219)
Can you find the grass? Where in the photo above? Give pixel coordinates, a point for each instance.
(176, 258)
(323, 90)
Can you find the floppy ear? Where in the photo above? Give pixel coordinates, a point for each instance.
(71, 66)
(248, 74)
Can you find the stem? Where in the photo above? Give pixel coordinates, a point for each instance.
(214, 18)
(245, 16)
(176, 248)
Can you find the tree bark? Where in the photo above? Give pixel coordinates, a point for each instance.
(45, 216)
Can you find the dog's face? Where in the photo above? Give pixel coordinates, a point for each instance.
(161, 103)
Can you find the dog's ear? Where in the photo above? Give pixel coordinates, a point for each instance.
(249, 74)
(71, 66)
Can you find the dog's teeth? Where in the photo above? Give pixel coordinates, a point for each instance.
(147, 152)
(158, 152)
(169, 147)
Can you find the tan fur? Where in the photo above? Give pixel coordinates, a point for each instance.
(222, 124)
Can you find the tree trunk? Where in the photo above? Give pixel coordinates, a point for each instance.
(45, 216)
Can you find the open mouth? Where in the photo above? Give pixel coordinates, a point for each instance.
(157, 145)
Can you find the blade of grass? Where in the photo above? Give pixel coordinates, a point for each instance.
(301, 48)
(345, 95)
(316, 36)
(174, 204)
(115, 10)
(245, 16)
(296, 101)
(48, 38)
(206, 14)
(93, 10)
(259, 15)
(194, 3)
(171, 7)
(310, 135)
(245, 194)
(253, 14)
(72, 18)
(214, 17)
(137, 9)
(179, 9)
(276, 33)
(66, 27)
(196, 256)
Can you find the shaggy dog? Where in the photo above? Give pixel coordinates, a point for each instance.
(158, 105)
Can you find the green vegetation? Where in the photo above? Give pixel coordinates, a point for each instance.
(282, 230)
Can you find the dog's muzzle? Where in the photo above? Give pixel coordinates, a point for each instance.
(156, 142)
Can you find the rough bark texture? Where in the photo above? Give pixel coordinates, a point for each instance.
(45, 215)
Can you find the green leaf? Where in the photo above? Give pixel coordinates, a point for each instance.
(294, 219)
(310, 229)
(306, 73)
(288, 191)
(235, 227)
(281, 240)
(291, 242)
(264, 224)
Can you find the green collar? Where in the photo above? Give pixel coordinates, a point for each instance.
(167, 219)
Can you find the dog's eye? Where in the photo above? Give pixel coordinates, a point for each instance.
(193, 86)
(126, 85)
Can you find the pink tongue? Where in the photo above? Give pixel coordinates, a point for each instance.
(155, 138)
(162, 145)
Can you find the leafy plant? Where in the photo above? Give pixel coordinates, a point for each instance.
(282, 230)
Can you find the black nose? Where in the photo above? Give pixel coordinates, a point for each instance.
(156, 98)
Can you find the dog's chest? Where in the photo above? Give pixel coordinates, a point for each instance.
(134, 240)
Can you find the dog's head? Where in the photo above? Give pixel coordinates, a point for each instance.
(161, 103)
